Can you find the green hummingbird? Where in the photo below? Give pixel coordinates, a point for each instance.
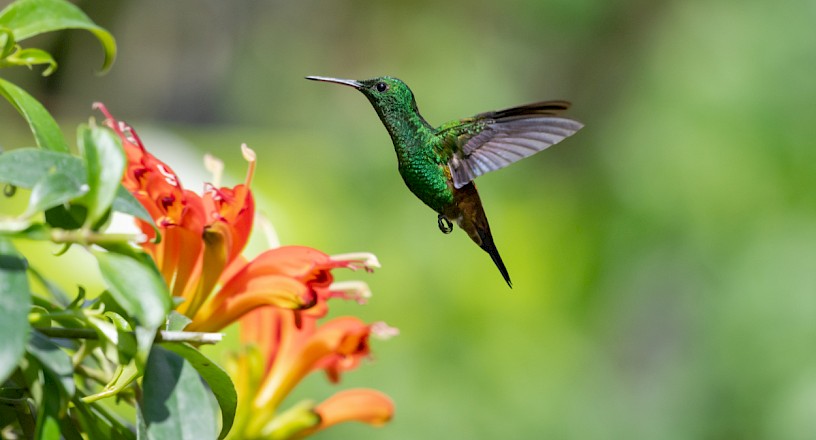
(439, 164)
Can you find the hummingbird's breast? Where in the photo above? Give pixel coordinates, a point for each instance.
(428, 179)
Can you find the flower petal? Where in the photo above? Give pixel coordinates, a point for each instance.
(255, 292)
(360, 405)
(335, 346)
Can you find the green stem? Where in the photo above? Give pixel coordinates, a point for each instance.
(162, 336)
(86, 236)
(92, 373)
(35, 316)
(113, 418)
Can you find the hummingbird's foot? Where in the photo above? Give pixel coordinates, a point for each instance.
(445, 225)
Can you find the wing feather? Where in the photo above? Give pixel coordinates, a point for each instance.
(507, 136)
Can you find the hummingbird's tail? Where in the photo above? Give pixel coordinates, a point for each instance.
(472, 219)
(490, 247)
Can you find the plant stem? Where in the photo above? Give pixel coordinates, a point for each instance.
(161, 336)
(86, 236)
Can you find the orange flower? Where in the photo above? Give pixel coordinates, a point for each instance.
(359, 404)
(199, 256)
(287, 351)
(202, 236)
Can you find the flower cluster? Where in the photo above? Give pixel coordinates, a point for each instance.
(278, 297)
(282, 348)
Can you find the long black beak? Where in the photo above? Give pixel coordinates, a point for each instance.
(348, 82)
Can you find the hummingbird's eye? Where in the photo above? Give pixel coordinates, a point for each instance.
(381, 87)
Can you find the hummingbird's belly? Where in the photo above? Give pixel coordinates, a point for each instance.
(429, 182)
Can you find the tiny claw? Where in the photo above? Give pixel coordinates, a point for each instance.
(445, 225)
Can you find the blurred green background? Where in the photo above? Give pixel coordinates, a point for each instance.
(663, 259)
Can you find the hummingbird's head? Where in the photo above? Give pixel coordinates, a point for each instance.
(390, 96)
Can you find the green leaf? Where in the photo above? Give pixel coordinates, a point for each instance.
(122, 377)
(27, 18)
(105, 163)
(115, 337)
(47, 133)
(18, 228)
(98, 422)
(137, 287)
(218, 380)
(175, 402)
(70, 429)
(24, 167)
(54, 361)
(176, 322)
(54, 190)
(48, 418)
(127, 204)
(16, 407)
(30, 58)
(15, 301)
(7, 37)
(66, 217)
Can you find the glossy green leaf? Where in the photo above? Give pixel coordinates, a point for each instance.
(27, 18)
(54, 361)
(127, 204)
(15, 301)
(105, 163)
(46, 132)
(54, 190)
(138, 288)
(24, 167)
(217, 379)
(175, 402)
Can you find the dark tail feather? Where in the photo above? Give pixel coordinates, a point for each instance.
(490, 247)
(470, 216)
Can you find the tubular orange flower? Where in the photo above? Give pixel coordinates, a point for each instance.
(202, 237)
(278, 297)
(360, 405)
(290, 351)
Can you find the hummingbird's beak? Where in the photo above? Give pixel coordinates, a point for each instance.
(348, 82)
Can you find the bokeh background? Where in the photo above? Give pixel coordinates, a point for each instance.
(664, 258)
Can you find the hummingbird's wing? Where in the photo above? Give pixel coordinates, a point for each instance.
(492, 140)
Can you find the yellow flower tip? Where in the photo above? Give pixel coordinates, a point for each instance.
(249, 156)
(216, 167)
(359, 260)
(354, 290)
(383, 331)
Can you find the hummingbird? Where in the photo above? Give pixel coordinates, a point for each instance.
(439, 164)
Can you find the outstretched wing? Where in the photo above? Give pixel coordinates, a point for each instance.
(490, 141)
